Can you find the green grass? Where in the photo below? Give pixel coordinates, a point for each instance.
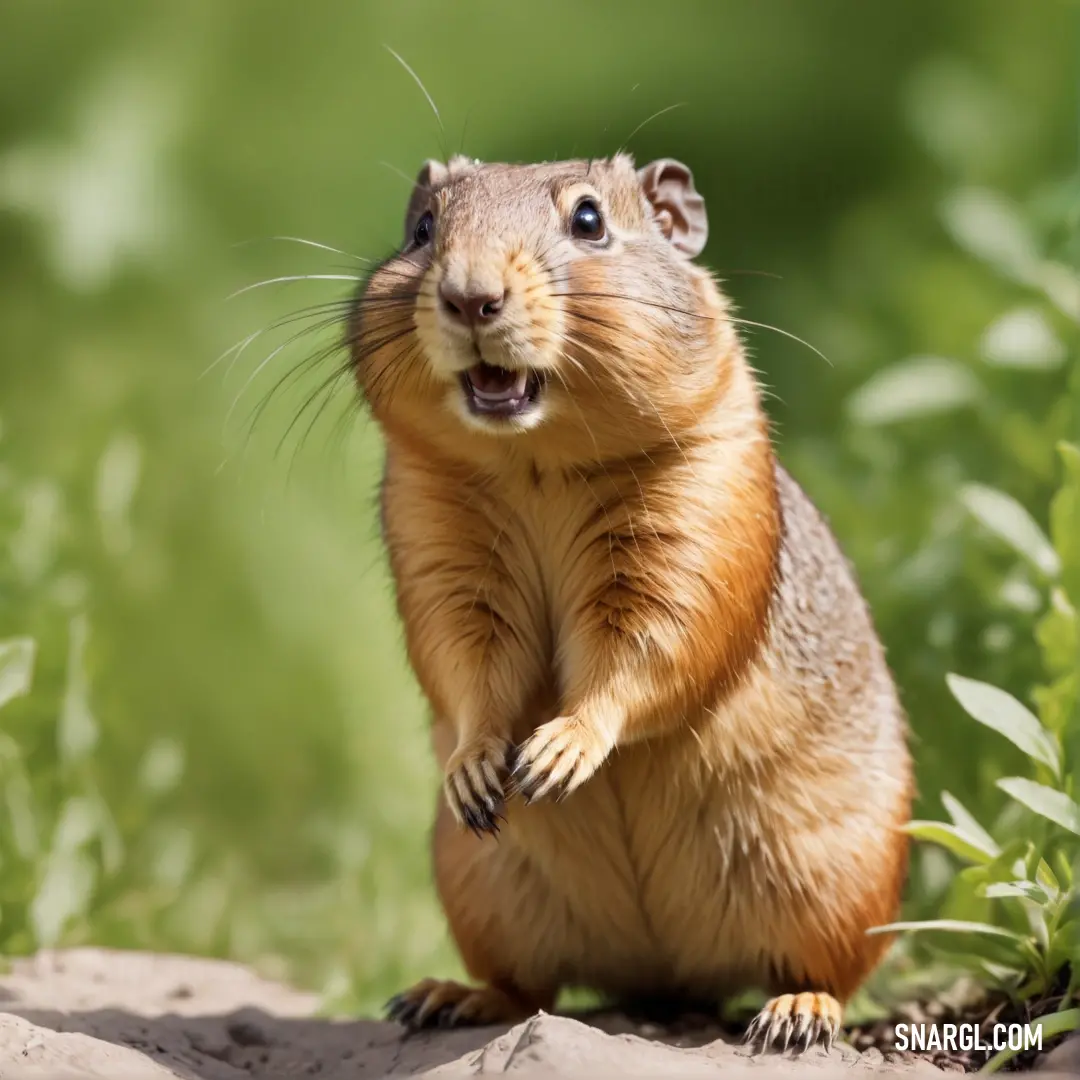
(1012, 915)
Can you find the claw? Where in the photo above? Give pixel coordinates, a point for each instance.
(781, 1015)
(434, 1004)
(828, 1034)
(510, 763)
(557, 758)
(804, 1032)
(795, 1021)
(474, 790)
(404, 1011)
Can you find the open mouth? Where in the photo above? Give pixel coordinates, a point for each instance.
(499, 392)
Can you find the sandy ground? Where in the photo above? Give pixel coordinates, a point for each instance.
(90, 1013)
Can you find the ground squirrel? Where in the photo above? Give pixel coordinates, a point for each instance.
(675, 761)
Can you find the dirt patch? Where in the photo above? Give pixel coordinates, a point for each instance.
(90, 1013)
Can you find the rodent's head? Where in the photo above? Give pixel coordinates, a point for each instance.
(553, 304)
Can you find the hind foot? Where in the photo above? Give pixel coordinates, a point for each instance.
(797, 1021)
(444, 1004)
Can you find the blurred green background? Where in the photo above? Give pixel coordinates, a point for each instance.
(223, 750)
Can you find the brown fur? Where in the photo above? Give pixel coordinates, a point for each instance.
(628, 593)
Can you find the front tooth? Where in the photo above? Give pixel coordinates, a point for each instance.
(493, 395)
(508, 393)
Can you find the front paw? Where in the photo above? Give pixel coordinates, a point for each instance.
(474, 783)
(558, 757)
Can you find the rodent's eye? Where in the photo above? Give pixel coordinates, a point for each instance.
(425, 229)
(586, 223)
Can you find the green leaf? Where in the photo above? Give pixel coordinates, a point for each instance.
(1023, 338)
(976, 940)
(1009, 521)
(991, 228)
(1001, 711)
(1065, 520)
(18, 800)
(16, 668)
(965, 821)
(917, 387)
(977, 876)
(1058, 634)
(1057, 702)
(1064, 869)
(952, 839)
(1031, 862)
(1002, 974)
(1046, 877)
(1054, 1024)
(1009, 865)
(1026, 890)
(77, 730)
(949, 926)
(1033, 867)
(1045, 801)
(1066, 943)
(64, 893)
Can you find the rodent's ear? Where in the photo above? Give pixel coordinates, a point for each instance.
(677, 206)
(430, 176)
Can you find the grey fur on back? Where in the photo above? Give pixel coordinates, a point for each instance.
(822, 634)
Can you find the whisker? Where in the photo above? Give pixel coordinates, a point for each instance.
(464, 131)
(785, 333)
(393, 271)
(371, 348)
(650, 119)
(692, 314)
(397, 304)
(423, 90)
(292, 375)
(343, 427)
(335, 316)
(749, 273)
(327, 383)
(308, 243)
(341, 432)
(329, 398)
(293, 277)
(338, 309)
(635, 300)
(252, 377)
(399, 366)
(241, 346)
(410, 180)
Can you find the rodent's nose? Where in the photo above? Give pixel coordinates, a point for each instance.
(471, 306)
